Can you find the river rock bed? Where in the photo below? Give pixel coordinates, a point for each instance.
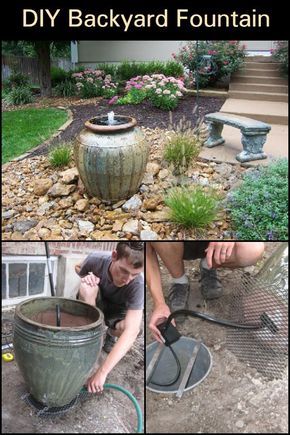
(43, 203)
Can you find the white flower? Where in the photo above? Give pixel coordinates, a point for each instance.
(166, 92)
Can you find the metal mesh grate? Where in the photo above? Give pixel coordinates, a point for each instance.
(251, 300)
(44, 411)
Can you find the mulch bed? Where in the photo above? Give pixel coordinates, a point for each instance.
(146, 115)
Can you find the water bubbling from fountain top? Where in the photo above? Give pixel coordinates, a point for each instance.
(111, 118)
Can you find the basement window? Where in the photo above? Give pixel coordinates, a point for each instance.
(24, 277)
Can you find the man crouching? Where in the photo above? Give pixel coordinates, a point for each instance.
(114, 282)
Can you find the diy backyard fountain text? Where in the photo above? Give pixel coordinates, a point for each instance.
(125, 22)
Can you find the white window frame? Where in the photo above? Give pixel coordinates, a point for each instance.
(9, 302)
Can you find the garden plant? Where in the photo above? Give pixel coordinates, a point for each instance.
(259, 207)
(226, 56)
(280, 54)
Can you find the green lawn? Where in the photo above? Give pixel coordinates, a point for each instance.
(24, 129)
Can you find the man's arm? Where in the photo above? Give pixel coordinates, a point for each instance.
(132, 326)
(153, 279)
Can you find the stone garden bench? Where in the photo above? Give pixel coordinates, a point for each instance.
(254, 134)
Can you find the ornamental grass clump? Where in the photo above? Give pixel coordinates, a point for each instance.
(180, 150)
(259, 207)
(60, 155)
(184, 145)
(192, 207)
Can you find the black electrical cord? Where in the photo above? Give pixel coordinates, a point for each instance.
(211, 319)
(168, 384)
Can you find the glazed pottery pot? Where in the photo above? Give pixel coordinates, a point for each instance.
(111, 159)
(55, 361)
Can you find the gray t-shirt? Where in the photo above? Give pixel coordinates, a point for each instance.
(130, 296)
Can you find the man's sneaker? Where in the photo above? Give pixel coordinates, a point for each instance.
(177, 298)
(109, 343)
(210, 284)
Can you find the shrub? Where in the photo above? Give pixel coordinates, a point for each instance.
(133, 96)
(259, 207)
(19, 95)
(58, 75)
(65, 89)
(280, 53)
(94, 83)
(126, 69)
(17, 79)
(192, 207)
(225, 58)
(108, 68)
(60, 155)
(180, 150)
(162, 91)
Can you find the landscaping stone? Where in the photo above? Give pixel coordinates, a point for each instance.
(42, 186)
(66, 212)
(70, 176)
(148, 235)
(82, 204)
(153, 168)
(8, 214)
(60, 189)
(132, 226)
(133, 203)
(23, 226)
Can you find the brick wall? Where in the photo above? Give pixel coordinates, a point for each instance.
(55, 248)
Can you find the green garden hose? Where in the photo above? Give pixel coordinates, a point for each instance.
(132, 398)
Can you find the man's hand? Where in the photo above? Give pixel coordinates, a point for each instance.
(89, 289)
(220, 252)
(91, 279)
(160, 314)
(95, 383)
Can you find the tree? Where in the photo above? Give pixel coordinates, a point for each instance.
(43, 51)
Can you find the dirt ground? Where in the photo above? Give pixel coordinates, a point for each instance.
(110, 412)
(233, 398)
(145, 114)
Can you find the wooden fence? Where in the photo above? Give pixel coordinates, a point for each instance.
(29, 66)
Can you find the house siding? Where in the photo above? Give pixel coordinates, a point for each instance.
(91, 52)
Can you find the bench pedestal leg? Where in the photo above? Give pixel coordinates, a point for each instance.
(215, 137)
(253, 147)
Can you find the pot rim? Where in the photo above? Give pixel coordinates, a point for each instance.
(99, 322)
(111, 128)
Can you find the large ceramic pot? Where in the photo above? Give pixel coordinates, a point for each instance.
(111, 159)
(55, 361)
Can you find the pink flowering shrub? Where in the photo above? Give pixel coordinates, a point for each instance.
(222, 58)
(94, 83)
(163, 92)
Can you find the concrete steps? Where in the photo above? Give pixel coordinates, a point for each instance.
(272, 112)
(264, 96)
(259, 87)
(259, 80)
(259, 72)
(258, 91)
